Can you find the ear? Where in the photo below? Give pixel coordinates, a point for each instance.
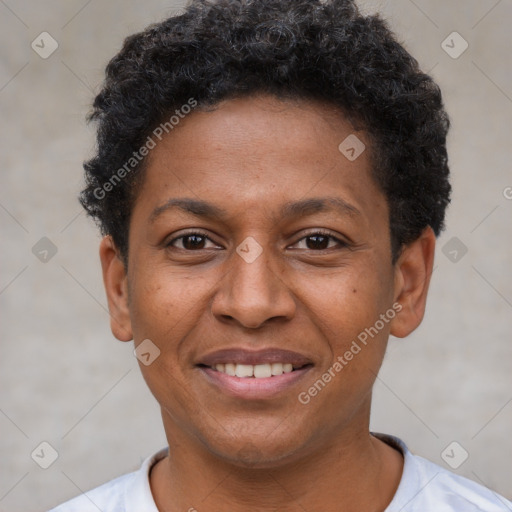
(412, 278)
(116, 287)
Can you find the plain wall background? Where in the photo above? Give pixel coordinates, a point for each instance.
(65, 380)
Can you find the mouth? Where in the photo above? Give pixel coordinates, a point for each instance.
(254, 371)
(254, 375)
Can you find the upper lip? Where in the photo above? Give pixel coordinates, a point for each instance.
(254, 357)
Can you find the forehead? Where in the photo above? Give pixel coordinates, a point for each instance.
(261, 152)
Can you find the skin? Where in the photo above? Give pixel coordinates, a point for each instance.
(250, 157)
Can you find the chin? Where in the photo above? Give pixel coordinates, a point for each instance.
(253, 451)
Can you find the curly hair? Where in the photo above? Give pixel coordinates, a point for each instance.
(303, 49)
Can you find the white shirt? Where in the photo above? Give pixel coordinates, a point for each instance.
(424, 487)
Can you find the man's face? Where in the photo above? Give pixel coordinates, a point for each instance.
(270, 271)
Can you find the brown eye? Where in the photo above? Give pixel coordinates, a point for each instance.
(320, 241)
(190, 241)
(317, 242)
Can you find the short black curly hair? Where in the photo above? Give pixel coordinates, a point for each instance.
(303, 49)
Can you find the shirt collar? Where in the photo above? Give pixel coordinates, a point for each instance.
(138, 496)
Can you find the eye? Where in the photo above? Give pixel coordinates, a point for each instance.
(319, 240)
(191, 241)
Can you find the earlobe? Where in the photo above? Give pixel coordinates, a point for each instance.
(412, 278)
(116, 288)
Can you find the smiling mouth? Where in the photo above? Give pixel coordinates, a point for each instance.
(257, 371)
(254, 374)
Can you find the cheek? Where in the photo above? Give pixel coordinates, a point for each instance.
(349, 316)
(352, 299)
(166, 309)
(164, 301)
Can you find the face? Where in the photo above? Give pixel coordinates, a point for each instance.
(256, 247)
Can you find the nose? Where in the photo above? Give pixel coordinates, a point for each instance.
(253, 293)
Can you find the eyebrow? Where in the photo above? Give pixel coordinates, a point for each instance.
(194, 206)
(318, 205)
(300, 208)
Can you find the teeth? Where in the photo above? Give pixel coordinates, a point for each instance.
(258, 371)
(262, 370)
(244, 370)
(276, 368)
(230, 369)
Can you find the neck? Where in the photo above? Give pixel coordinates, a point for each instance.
(353, 472)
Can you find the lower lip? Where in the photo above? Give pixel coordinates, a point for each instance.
(250, 387)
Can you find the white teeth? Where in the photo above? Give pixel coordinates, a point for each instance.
(262, 370)
(244, 370)
(258, 371)
(230, 369)
(277, 368)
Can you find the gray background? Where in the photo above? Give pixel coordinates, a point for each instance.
(65, 380)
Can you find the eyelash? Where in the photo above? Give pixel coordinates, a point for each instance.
(320, 232)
